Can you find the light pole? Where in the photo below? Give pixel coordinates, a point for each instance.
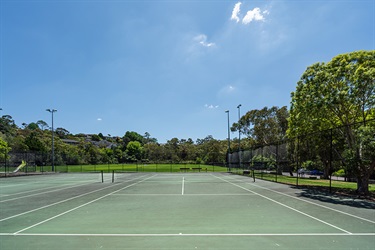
(53, 145)
(227, 111)
(239, 134)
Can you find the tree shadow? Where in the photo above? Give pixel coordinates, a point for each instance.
(337, 196)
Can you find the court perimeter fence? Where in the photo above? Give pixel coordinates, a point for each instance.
(30, 163)
(319, 158)
(315, 159)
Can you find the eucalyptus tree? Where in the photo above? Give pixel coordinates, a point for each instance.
(338, 94)
(42, 124)
(7, 125)
(264, 126)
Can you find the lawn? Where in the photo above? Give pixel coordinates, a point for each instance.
(292, 180)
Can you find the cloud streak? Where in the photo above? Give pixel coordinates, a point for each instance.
(236, 11)
(211, 106)
(202, 40)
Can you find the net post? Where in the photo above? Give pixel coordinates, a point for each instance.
(113, 176)
(101, 172)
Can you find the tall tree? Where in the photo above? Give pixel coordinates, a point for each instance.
(62, 132)
(42, 124)
(7, 125)
(132, 136)
(338, 93)
(265, 125)
(134, 150)
(4, 149)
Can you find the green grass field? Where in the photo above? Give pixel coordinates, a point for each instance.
(175, 168)
(311, 182)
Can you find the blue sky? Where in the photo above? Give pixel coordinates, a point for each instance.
(170, 68)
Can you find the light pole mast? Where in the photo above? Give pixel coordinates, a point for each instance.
(228, 152)
(239, 135)
(53, 145)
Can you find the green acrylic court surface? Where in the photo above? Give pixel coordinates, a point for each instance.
(176, 211)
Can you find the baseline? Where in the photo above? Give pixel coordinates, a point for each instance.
(191, 235)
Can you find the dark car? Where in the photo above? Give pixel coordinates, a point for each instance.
(316, 172)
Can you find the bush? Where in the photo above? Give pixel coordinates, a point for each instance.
(339, 173)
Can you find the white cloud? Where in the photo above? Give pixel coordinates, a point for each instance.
(211, 106)
(253, 15)
(99, 119)
(202, 40)
(236, 11)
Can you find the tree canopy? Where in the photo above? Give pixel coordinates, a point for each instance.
(339, 93)
(264, 126)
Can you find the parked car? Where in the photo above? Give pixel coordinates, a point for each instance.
(316, 172)
(302, 171)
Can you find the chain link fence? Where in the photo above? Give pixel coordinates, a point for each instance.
(323, 155)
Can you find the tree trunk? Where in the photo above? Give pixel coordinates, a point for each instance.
(364, 178)
(362, 184)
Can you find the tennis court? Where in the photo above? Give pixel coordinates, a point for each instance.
(176, 211)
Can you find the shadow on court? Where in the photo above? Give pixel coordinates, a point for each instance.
(323, 195)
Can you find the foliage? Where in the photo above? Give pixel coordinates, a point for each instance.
(264, 126)
(309, 165)
(268, 163)
(339, 173)
(132, 136)
(34, 142)
(62, 133)
(134, 150)
(338, 94)
(4, 149)
(7, 125)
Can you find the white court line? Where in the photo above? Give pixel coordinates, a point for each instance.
(59, 202)
(50, 191)
(310, 202)
(183, 185)
(281, 204)
(11, 186)
(247, 194)
(85, 204)
(56, 203)
(193, 235)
